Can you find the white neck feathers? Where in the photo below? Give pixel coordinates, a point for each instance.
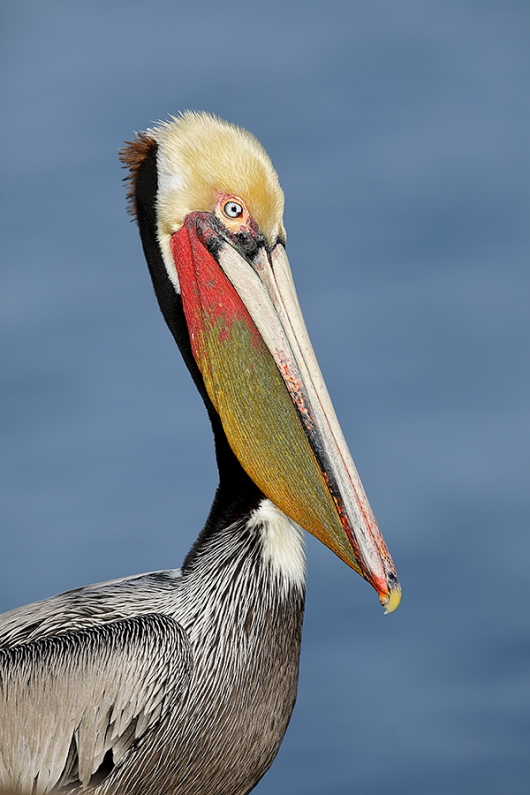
(282, 543)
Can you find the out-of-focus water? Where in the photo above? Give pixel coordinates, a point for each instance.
(400, 133)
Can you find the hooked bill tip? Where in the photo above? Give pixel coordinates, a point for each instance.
(391, 600)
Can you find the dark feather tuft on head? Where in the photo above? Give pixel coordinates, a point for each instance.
(132, 155)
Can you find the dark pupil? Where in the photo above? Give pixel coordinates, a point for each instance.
(233, 209)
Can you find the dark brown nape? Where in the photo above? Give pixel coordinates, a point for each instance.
(132, 155)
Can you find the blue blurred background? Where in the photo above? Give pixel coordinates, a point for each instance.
(400, 131)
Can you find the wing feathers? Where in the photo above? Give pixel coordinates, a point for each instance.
(66, 701)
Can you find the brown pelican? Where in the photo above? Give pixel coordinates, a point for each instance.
(183, 681)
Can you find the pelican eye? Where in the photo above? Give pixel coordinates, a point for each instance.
(232, 209)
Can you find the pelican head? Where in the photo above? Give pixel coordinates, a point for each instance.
(210, 192)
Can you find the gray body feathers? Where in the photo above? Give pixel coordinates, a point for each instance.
(161, 683)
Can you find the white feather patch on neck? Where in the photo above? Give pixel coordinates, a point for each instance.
(282, 542)
(168, 183)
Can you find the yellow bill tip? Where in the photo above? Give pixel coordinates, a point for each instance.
(391, 600)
